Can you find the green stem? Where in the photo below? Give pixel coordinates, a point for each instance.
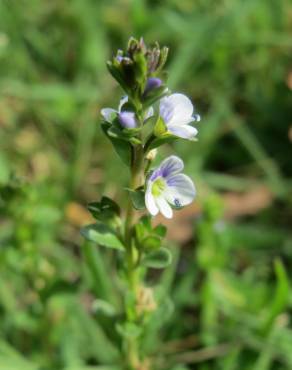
(137, 179)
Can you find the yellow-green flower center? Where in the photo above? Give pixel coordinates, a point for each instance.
(158, 187)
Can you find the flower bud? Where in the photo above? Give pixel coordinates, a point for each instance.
(127, 119)
(152, 83)
(151, 154)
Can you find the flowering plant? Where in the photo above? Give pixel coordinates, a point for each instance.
(137, 129)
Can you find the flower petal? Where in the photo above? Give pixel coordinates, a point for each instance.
(169, 167)
(180, 191)
(183, 131)
(149, 200)
(164, 207)
(108, 114)
(123, 101)
(183, 109)
(166, 109)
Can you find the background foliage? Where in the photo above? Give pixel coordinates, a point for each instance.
(230, 280)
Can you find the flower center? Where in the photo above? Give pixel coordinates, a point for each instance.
(158, 187)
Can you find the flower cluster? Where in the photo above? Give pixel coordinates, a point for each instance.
(166, 187)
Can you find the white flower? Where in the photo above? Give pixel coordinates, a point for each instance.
(126, 118)
(168, 186)
(176, 111)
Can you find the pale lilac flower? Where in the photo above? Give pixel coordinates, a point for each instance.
(126, 118)
(176, 111)
(166, 186)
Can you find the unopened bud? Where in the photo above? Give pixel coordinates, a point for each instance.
(127, 119)
(151, 154)
(152, 83)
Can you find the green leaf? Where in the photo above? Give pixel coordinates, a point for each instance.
(106, 209)
(104, 307)
(157, 259)
(154, 95)
(103, 235)
(138, 198)
(122, 147)
(129, 330)
(160, 230)
(281, 294)
(157, 142)
(143, 228)
(151, 242)
(117, 75)
(147, 237)
(114, 132)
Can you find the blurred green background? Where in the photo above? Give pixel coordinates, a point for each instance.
(231, 298)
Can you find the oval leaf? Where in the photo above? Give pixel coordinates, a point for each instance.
(158, 259)
(103, 235)
(137, 198)
(151, 242)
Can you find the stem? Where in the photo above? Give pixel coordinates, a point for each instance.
(137, 179)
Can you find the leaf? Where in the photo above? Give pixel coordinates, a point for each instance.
(157, 259)
(157, 142)
(103, 235)
(281, 294)
(122, 147)
(147, 237)
(143, 228)
(151, 242)
(11, 359)
(117, 75)
(105, 209)
(155, 95)
(104, 307)
(160, 230)
(129, 330)
(138, 198)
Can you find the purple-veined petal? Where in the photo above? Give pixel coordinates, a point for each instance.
(164, 207)
(166, 109)
(108, 114)
(149, 201)
(180, 191)
(183, 131)
(171, 166)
